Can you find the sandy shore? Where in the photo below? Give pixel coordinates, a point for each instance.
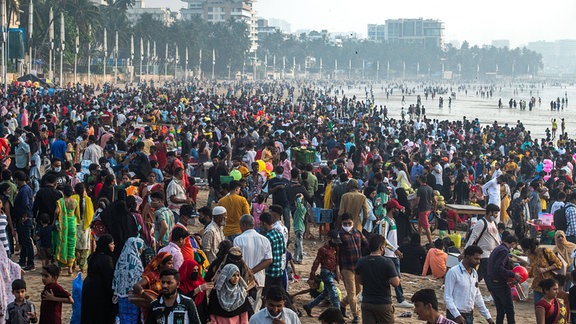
(410, 283)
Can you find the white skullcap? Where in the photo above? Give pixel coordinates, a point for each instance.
(218, 210)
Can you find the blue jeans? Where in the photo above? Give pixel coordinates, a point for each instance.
(24, 230)
(330, 291)
(399, 291)
(298, 254)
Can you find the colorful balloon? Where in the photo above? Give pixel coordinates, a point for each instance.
(236, 174)
(261, 165)
(269, 167)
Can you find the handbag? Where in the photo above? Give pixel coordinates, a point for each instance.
(556, 272)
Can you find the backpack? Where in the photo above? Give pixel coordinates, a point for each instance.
(481, 233)
(560, 219)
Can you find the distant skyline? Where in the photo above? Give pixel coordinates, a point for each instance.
(479, 23)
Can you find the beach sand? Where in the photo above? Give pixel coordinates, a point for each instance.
(410, 283)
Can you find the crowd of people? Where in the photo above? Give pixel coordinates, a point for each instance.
(107, 182)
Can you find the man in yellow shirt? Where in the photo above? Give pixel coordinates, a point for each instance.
(236, 206)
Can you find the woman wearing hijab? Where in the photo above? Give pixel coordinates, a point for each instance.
(564, 249)
(194, 286)
(127, 272)
(223, 249)
(403, 218)
(97, 293)
(228, 300)
(150, 286)
(9, 271)
(119, 222)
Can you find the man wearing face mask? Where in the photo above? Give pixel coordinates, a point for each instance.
(349, 253)
(485, 235)
(62, 178)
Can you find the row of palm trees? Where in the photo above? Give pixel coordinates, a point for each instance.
(148, 36)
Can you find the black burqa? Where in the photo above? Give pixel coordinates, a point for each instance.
(97, 306)
(120, 223)
(403, 218)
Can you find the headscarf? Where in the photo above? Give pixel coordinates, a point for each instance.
(187, 284)
(128, 268)
(9, 271)
(103, 242)
(235, 257)
(152, 267)
(230, 296)
(565, 248)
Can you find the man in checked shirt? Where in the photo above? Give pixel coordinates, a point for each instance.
(349, 253)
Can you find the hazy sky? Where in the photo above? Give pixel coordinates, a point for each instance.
(479, 22)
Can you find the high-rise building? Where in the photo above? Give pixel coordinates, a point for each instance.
(428, 32)
(161, 14)
(215, 11)
(376, 33)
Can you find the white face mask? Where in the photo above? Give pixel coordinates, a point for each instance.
(57, 169)
(347, 228)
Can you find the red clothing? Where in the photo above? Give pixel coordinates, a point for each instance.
(161, 152)
(555, 306)
(326, 258)
(192, 192)
(188, 285)
(51, 312)
(187, 250)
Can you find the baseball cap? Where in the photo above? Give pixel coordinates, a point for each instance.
(393, 203)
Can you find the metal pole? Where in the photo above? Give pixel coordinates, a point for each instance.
(51, 38)
(116, 59)
(147, 56)
(186, 67)
(62, 45)
(89, 47)
(166, 63)
(77, 42)
(30, 30)
(4, 49)
(176, 61)
(213, 62)
(4, 45)
(200, 64)
(105, 53)
(131, 58)
(141, 56)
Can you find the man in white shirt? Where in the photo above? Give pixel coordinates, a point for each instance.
(275, 312)
(461, 291)
(256, 252)
(491, 189)
(485, 235)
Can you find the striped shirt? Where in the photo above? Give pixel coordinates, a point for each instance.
(4, 232)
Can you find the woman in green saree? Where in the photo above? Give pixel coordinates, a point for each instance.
(66, 221)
